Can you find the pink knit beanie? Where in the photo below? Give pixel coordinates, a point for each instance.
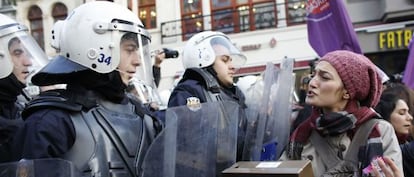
(358, 74)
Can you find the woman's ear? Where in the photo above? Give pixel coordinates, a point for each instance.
(346, 96)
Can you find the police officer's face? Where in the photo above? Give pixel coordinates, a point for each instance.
(21, 60)
(223, 66)
(130, 60)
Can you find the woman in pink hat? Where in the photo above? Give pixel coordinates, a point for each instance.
(343, 135)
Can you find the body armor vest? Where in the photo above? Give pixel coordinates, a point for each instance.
(213, 92)
(111, 139)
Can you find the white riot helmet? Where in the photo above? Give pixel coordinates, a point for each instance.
(90, 38)
(19, 52)
(199, 51)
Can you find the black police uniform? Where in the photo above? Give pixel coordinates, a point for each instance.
(202, 83)
(10, 114)
(101, 131)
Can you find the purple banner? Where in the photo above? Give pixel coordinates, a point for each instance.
(408, 77)
(330, 28)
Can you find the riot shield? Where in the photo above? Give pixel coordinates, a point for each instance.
(257, 111)
(198, 140)
(281, 103)
(39, 168)
(269, 113)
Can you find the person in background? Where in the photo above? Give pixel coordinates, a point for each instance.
(92, 123)
(159, 57)
(403, 92)
(305, 109)
(395, 107)
(156, 68)
(18, 55)
(343, 134)
(395, 110)
(407, 150)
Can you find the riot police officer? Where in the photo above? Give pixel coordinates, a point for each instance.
(211, 60)
(18, 52)
(92, 123)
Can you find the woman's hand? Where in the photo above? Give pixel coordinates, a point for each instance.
(387, 168)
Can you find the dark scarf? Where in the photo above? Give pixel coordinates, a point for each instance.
(108, 85)
(328, 125)
(10, 119)
(401, 138)
(10, 88)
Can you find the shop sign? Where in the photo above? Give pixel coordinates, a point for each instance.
(251, 47)
(395, 39)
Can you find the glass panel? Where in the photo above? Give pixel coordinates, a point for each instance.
(223, 21)
(34, 13)
(296, 11)
(59, 12)
(191, 6)
(256, 1)
(264, 15)
(220, 3)
(36, 24)
(143, 14)
(146, 2)
(148, 16)
(38, 36)
(192, 24)
(242, 1)
(130, 4)
(244, 18)
(153, 20)
(8, 2)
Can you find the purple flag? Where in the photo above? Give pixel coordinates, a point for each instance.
(408, 77)
(329, 27)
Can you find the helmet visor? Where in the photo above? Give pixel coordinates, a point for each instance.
(221, 45)
(145, 93)
(20, 55)
(135, 61)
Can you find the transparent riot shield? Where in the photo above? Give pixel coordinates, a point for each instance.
(39, 168)
(281, 103)
(269, 113)
(257, 113)
(197, 141)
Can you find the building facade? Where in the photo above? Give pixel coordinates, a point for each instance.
(265, 30)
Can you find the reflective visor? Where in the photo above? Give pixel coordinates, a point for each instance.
(221, 45)
(20, 54)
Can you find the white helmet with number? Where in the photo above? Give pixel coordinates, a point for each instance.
(19, 52)
(90, 37)
(199, 51)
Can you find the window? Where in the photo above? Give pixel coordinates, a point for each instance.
(192, 18)
(147, 13)
(130, 4)
(8, 2)
(36, 25)
(59, 11)
(296, 12)
(233, 16)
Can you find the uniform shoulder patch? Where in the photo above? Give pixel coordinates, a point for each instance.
(193, 103)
